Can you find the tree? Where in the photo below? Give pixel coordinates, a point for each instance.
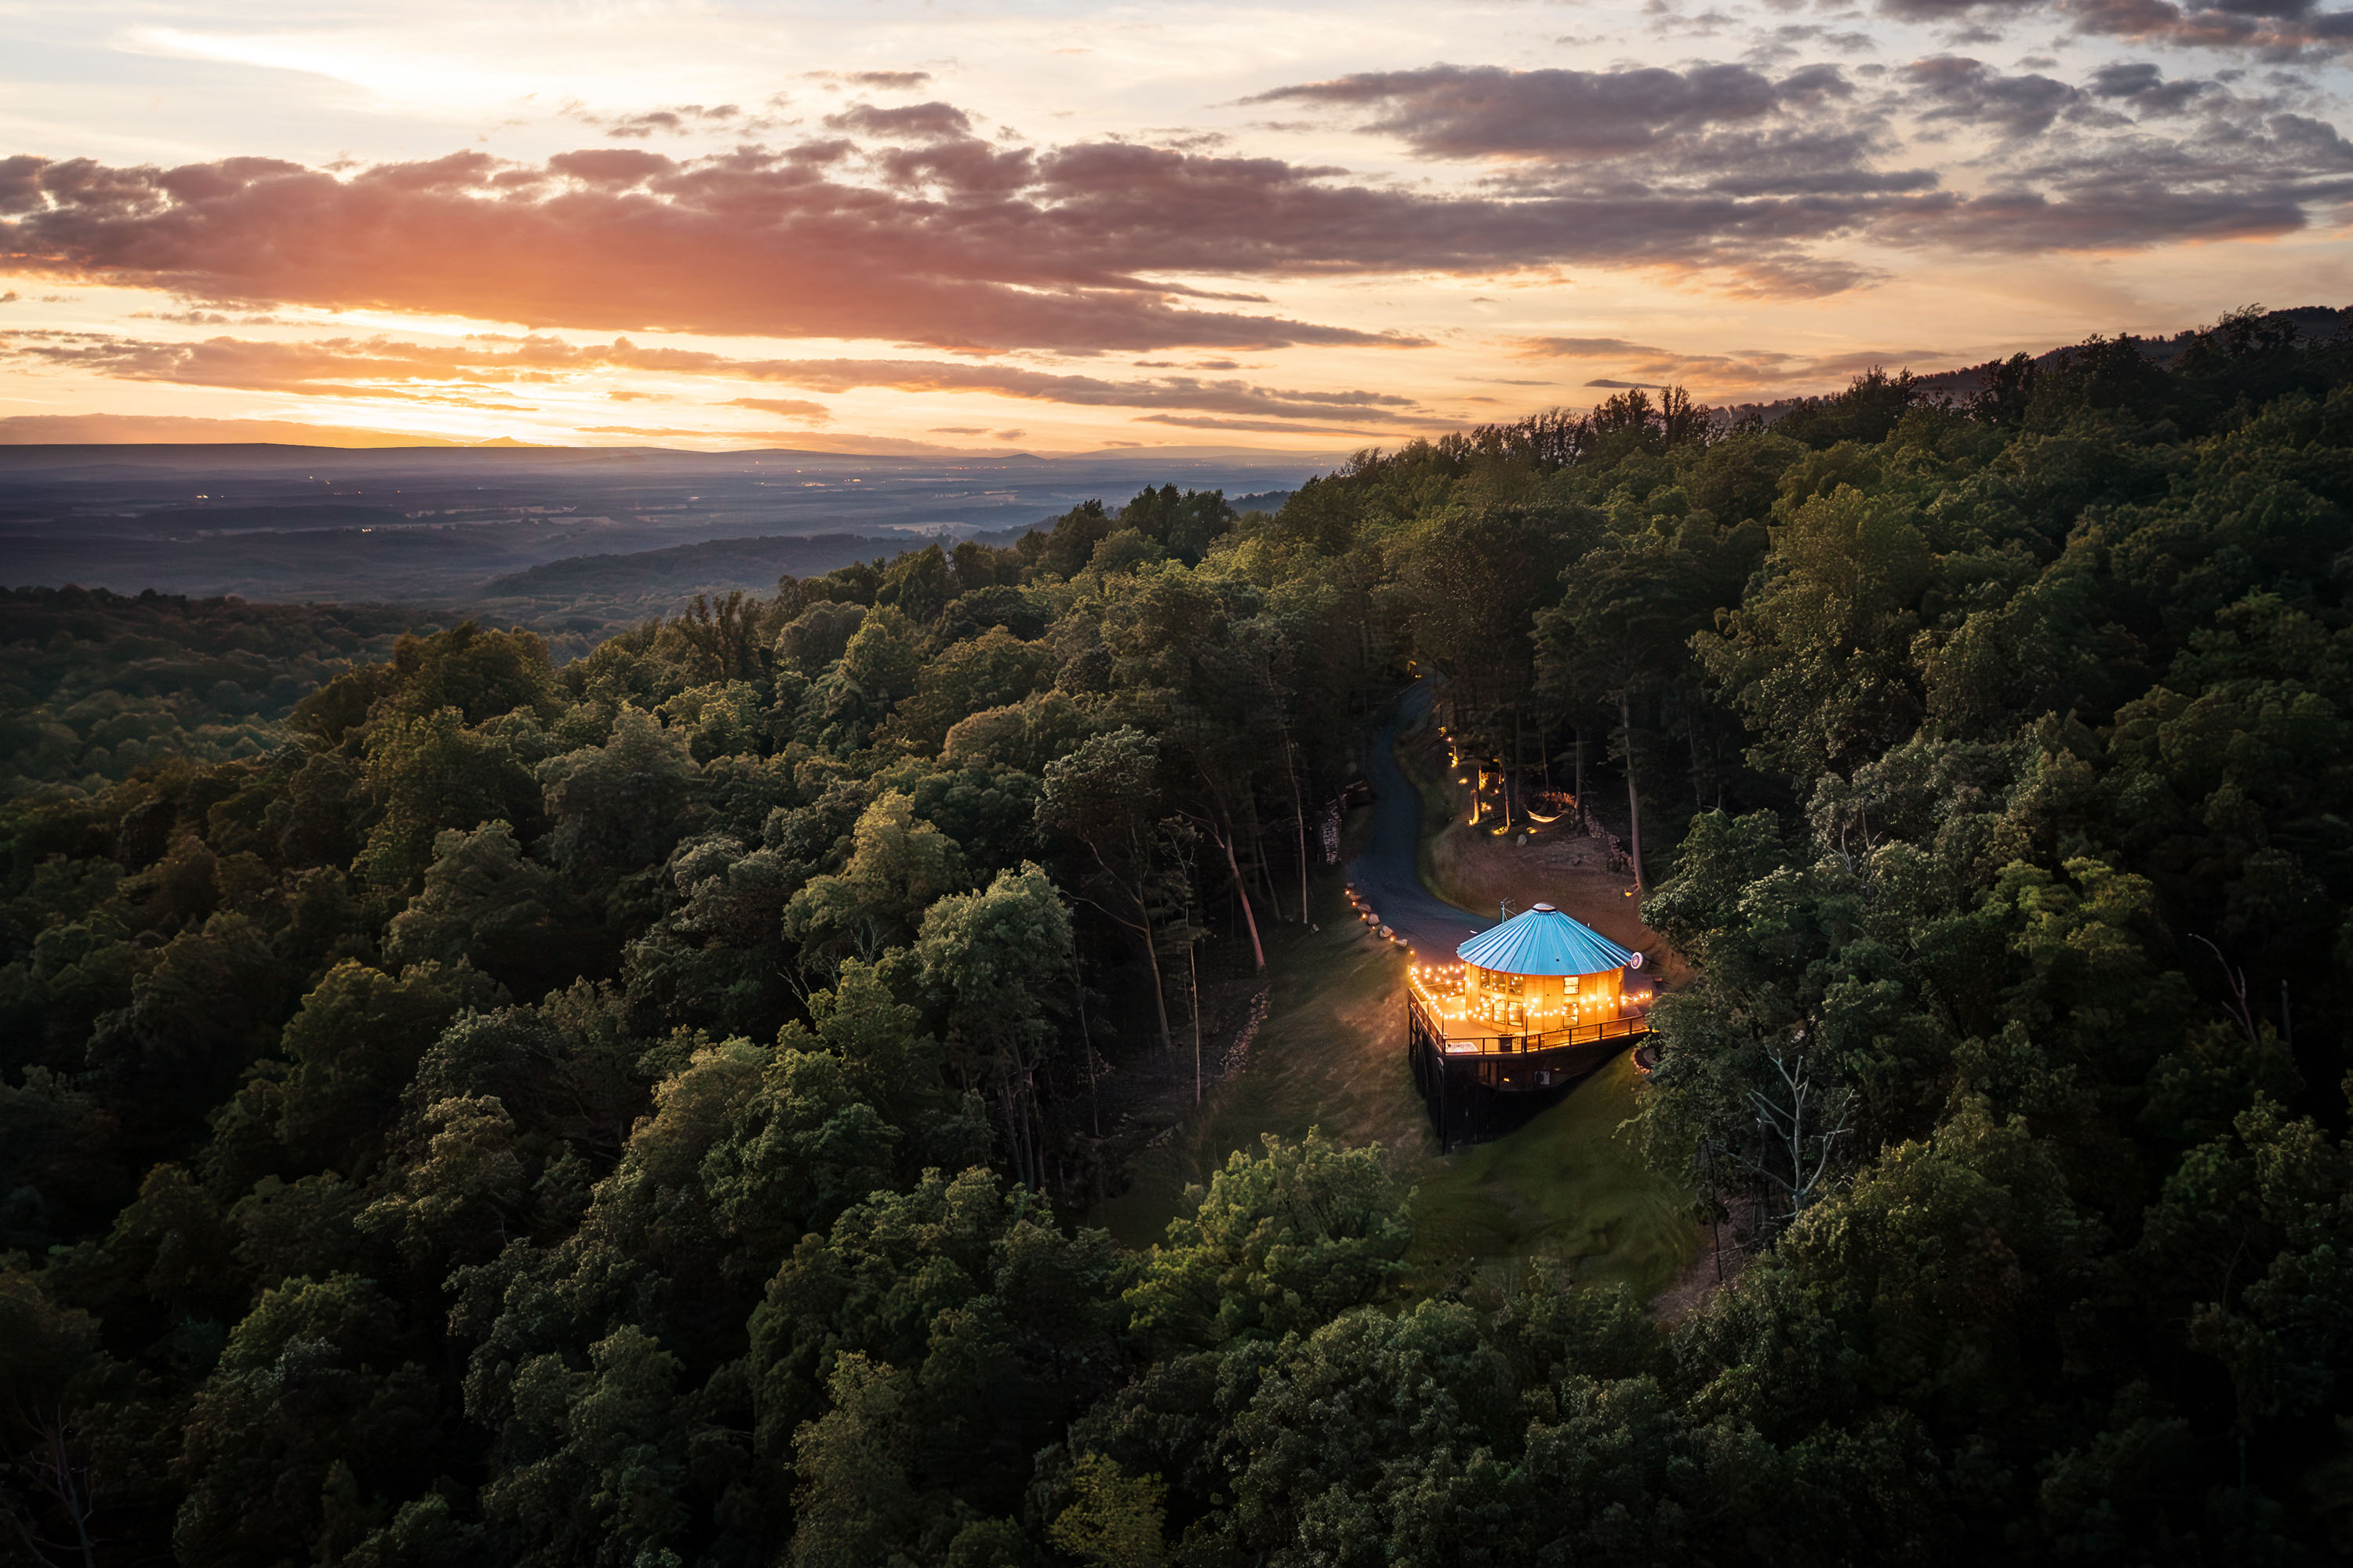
(428, 773)
(991, 671)
(918, 585)
(312, 1389)
(882, 663)
(721, 719)
(855, 1502)
(1817, 659)
(818, 637)
(459, 1189)
(1866, 411)
(1467, 584)
(1102, 796)
(999, 955)
(1203, 685)
(2250, 1234)
(616, 808)
(1799, 1123)
(54, 1497)
(895, 1064)
(193, 1021)
(723, 642)
(566, 1069)
(1619, 633)
(483, 903)
(1030, 735)
(355, 1044)
(717, 959)
(482, 675)
(1071, 543)
(1113, 1521)
(898, 864)
(1185, 525)
(1280, 1241)
(908, 1363)
(601, 1458)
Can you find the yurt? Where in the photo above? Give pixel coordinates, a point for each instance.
(1532, 1005)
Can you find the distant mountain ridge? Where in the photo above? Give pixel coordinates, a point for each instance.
(2312, 322)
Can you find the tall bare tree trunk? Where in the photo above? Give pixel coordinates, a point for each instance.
(1152, 957)
(1141, 895)
(1258, 861)
(1633, 797)
(1580, 773)
(1699, 779)
(1258, 950)
(1193, 983)
(1299, 815)
(1086, 1043)
(1512, 780)
(1009, 1097)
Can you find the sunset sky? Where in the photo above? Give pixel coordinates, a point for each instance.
(1052, 227)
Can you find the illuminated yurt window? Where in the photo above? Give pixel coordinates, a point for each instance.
(1541, 969)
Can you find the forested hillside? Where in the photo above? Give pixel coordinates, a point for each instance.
(629, 1112)
(95, 685)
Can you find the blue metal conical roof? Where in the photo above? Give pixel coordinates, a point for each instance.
(1544, 941)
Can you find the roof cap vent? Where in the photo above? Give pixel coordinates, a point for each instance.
(1543, 909)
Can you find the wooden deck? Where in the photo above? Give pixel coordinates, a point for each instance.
(1456, 1033)
(1480, 1085)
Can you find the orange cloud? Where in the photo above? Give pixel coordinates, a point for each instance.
(177, 429)
(905, 225)
(1231, 397)
(1645, 364)
(785, 408)
(332, 368)
(390, 367)
(961, 246)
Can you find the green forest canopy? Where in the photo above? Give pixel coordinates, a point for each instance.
(615, 1114)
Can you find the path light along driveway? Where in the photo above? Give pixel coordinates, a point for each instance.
(1387, 875)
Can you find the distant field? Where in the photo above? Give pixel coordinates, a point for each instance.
(628, 530)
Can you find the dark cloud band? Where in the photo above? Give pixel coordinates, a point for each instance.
(907, 227)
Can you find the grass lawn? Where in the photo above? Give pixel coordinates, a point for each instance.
(1567, 1186)
(1331, 1056)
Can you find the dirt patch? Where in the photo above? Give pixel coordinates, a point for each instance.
(1556, 863)
(1724, 1249)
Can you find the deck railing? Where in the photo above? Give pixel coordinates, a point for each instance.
(1632, 1019)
